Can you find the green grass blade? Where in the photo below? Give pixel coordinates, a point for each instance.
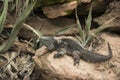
(79, 25)
(3, 15)
(88, 22)
(99, 29)
(84, 38)
(65, 29)
(104, 26)
(17, 27)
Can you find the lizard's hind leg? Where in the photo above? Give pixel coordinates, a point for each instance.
(76, 56)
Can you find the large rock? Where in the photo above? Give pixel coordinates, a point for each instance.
(63, 69)
(114, 13)
(98, 6)
(47, 26)
(66, 8)
(59, 10)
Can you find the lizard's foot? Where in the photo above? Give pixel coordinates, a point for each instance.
(76, 61)
(76, 56)
(61, 52)
(59, 55)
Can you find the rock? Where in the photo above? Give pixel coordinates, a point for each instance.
(68, 7)
(114, 25)
(98, 6)
(63, 69)
(47, 26)
(59, 10)
(56, 8)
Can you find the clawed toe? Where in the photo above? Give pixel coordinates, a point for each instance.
(76, 62)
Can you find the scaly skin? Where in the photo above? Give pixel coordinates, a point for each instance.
(72, 48)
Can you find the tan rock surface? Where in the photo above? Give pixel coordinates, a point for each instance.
(63, 69)
(59, 10)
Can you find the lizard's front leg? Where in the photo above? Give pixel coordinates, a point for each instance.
(76, 56)
(60, 53)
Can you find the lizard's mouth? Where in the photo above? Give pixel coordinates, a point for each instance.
(40, 44)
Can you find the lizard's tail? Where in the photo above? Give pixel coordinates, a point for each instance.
(110, 50)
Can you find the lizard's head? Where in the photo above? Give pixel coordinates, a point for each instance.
(48, 41)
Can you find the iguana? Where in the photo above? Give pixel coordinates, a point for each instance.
(73, 48)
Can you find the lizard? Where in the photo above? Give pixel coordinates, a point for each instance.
(73, 48)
